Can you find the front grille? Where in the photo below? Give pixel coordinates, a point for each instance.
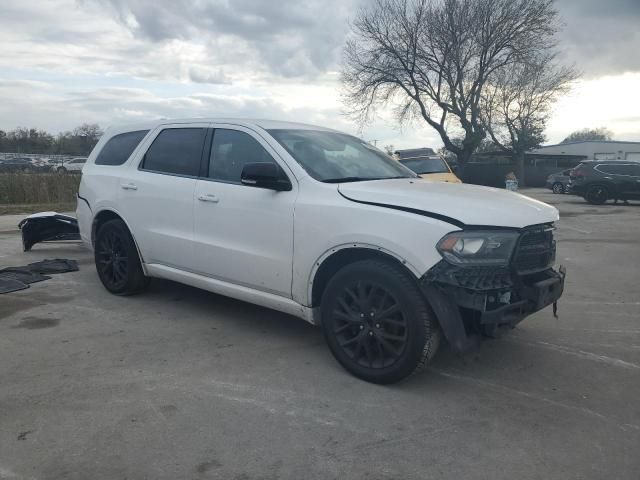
(536, 250)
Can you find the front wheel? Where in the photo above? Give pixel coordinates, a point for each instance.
(597, 195)
(557, 188)
(377, 323)
(117, 260)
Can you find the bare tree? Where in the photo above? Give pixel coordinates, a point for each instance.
(516, 104)
(431, 59)
(598, 134)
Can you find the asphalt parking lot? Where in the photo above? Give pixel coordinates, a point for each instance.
(178, 383)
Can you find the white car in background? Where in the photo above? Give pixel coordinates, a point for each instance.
(73, 165)
(321, 225)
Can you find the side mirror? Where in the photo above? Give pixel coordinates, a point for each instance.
(265, 175)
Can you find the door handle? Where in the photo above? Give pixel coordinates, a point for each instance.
(208, 198)
(129, 186)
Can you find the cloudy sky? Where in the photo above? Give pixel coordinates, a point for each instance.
(64, 62)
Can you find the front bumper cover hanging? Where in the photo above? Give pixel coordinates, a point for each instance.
(479, 300)
(47, 227)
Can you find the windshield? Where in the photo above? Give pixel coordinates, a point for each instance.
(336, 157)
(426, 165)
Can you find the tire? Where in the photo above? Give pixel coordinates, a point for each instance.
(117, 261)
(597, 194)
(377, 323)
(557, 188)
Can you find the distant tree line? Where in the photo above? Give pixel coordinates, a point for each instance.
(77, 142)
(589, 134)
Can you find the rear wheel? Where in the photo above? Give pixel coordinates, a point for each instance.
(377, 323)
(117, 260)
(557, 188)
(597, 194)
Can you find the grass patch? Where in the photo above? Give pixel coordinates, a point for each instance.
(37, 189)
(37, 207)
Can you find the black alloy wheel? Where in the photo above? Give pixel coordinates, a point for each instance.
(377, 322)
(370, 325)
(558, 188)
(117, 260)
(597, 194)
(112, 260)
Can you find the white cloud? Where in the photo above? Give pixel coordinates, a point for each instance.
(65, 62)
(611, 101)
(201, 74)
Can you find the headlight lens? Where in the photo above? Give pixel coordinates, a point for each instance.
(478, 248)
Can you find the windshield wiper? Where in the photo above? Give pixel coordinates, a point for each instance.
(358, 179)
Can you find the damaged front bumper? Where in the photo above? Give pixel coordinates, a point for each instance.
(470, 302)
(47, 227)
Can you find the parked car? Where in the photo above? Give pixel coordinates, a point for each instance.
(600, 180)
(73, 165)
(321, 225)
(430, 167)
(16, 164)
(559, 182)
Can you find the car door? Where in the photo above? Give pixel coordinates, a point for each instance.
(244, 234)
(620, 175)
(634, 172)
(157, 194)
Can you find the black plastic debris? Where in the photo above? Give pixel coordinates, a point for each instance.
(57, 265)
(47, 227)
(13, 279)
(8, 285)
(23, 274)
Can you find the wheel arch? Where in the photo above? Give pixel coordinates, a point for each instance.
(331, 261)
(105, 215)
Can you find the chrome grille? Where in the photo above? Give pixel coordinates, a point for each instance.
(536, 250)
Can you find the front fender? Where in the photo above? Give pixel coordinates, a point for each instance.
(358, 245)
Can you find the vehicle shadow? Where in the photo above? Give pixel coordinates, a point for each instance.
(236, 314)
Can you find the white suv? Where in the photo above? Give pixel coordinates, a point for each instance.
(321, 225)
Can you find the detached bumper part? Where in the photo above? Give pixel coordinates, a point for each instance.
(47, 227)
(473, 301)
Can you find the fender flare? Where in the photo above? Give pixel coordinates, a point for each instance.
(135, 242)
(356, 245)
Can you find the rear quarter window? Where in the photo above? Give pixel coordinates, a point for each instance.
(119, 148)
(614, 169)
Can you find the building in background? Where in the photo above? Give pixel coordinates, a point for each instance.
(490, 168)
(595, 150)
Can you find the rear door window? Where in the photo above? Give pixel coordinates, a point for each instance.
(119, 148)
(176, 151)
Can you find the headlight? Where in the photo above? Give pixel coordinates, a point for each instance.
(478, 247)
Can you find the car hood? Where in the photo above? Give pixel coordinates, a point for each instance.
(459, 204)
